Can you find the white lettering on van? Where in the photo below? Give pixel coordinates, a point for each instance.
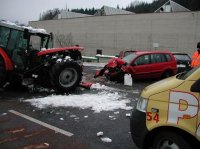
(175, 112)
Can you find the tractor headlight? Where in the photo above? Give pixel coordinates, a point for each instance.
(142, 104)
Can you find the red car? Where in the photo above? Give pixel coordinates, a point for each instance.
(141, 65)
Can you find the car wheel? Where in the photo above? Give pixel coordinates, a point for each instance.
(66, 76)
(171, 140)
(2, 72)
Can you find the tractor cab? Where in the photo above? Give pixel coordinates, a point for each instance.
(20, 42)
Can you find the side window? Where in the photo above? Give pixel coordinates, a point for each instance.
(142, 60)
(12, 41)
(153, 58)
(168, 58)
(35, 42)
(22, 43)
(4, 35)
(160, 58)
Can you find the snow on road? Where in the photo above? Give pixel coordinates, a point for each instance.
(107, 99)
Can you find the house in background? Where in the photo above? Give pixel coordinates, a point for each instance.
(106, 11)
(68, 15)
(171, 6)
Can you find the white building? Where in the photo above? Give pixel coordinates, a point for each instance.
(171, 6)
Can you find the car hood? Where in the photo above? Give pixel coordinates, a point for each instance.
(115, 62)
(161, 86)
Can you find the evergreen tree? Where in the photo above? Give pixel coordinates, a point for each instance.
(49, 14)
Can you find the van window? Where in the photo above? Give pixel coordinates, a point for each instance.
(143, 60)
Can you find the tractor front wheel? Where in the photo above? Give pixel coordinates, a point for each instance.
(65, 76)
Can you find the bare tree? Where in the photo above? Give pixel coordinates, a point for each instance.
(64, 40)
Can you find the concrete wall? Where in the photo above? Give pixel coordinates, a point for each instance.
(172, 31)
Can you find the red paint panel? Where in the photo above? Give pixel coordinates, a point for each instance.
(7, 60)
(49, 51)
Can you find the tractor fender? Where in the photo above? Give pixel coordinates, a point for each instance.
(55, 50)
(7, 60)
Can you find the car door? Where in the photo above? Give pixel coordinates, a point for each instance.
(19, 47)
(140, 67)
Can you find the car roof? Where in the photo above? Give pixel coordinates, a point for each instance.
(152, 52)
(180, 53)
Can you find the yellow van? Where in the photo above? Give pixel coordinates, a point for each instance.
(167, 115)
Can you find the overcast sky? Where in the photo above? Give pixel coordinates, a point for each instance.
(30, 10)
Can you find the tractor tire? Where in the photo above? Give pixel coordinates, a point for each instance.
(66, 76)
(2, 72)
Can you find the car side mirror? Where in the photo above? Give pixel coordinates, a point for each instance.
(196, 87)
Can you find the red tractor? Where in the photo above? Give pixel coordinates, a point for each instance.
(27, 57)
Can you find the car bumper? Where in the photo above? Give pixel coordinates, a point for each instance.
(138, 127)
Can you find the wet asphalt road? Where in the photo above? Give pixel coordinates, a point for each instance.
(18, 132)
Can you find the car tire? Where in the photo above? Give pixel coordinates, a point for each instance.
(169, 139)
(65, 76)
(2, 72)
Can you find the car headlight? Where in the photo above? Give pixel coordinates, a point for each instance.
(142, 104)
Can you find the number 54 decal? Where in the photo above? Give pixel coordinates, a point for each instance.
(152, 116)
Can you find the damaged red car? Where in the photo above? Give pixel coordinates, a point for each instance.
(141, 65)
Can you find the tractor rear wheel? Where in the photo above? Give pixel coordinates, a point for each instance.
(2, 72)
(65, 77)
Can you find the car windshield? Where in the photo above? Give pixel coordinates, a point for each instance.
(184, 75)
(129, 58)
(127, 53)
(183, 57)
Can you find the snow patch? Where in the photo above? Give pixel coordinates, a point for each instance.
(101, 87)
(117, 112)
(99, 134)
(3, 114)
(128, 115)
(106, 139)
(102, 101)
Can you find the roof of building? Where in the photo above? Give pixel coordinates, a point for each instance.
(106, 10)
(68, 14)
(171, 6)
